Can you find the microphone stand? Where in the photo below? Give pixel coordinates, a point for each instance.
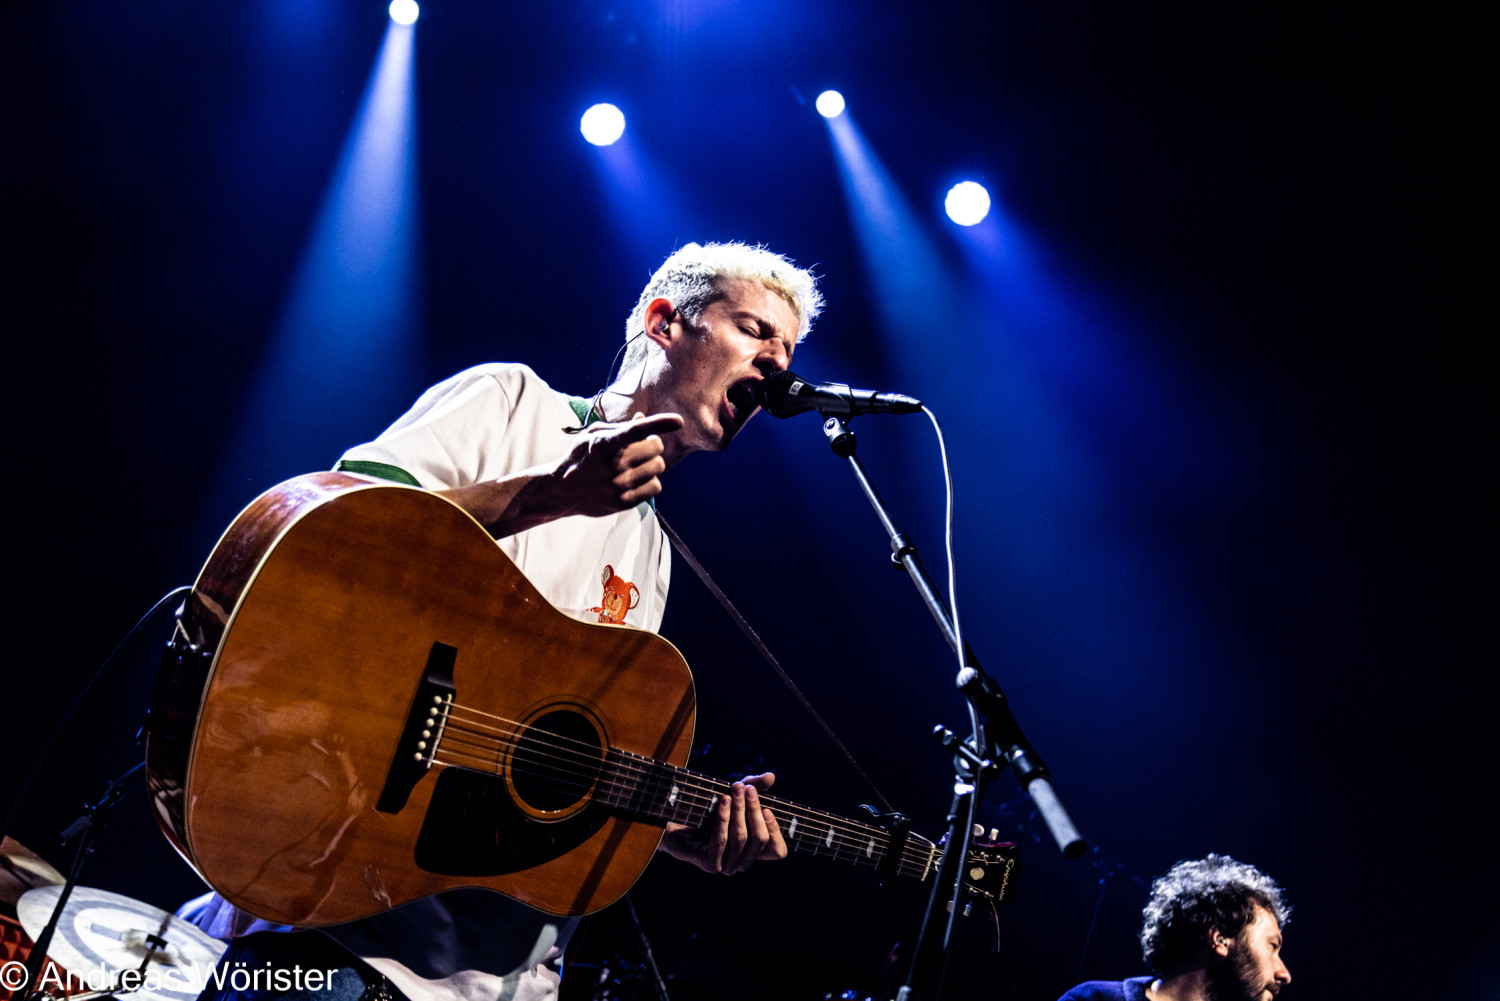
(87, 829)
(997, 741)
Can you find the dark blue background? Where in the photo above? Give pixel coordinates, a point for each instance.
(1213, 411)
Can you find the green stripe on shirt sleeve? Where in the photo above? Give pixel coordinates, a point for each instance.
(379, 470)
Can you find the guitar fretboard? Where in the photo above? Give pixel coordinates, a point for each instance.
(642, 787)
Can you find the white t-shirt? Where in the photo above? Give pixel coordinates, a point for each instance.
(482, 424)
(495, 420)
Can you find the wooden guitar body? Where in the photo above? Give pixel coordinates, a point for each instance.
(336, 621)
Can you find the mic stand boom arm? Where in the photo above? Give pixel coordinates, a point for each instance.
(997, 741)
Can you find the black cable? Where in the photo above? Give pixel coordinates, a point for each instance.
(67, 717)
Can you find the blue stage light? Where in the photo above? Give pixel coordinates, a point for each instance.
(830, 104)
(967, 203)
(404, 11)
(602, 124)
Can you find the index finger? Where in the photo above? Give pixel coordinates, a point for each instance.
(641, 428)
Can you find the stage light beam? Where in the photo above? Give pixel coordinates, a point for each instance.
(967, 203)
(404, 11)
(352, 314)
(602, 124)
(830, 104)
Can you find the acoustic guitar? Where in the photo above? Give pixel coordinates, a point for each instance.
(366, 703)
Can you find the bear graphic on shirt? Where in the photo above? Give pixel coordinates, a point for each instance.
(620, 596)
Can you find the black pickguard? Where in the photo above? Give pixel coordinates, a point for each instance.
(473, 828)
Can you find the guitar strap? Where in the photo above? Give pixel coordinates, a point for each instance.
(755, 640)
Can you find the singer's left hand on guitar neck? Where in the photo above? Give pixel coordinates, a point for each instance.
(741, 833)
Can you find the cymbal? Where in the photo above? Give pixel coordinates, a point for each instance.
(22, 869)
(102, 929)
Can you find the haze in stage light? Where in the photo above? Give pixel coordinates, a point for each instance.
(830, 104)
(404, 11)
(967, 203)
(602, 124)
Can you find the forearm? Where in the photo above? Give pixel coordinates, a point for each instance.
(514, 503)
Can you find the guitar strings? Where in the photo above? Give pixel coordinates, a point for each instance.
(692, 803)
(868, 851)
(586, 754)
(696, 794)
(841, 837)
(862, 834)
(589, 750)
(615, 792)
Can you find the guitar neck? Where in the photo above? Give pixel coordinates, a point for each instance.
(640, 786)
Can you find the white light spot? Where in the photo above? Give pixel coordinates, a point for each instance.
(404, 11)
(830, 104)
(602, 124)
(829, 840)
(791, 832)
(967, 203)
(672, 796)
(870, 849)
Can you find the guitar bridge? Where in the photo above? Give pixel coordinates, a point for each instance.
(424, 728)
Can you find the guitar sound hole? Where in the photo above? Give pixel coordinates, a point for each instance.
(556, 761)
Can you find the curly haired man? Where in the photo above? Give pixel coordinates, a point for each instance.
(1211, 931)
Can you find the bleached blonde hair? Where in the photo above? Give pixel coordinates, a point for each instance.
(692, 278)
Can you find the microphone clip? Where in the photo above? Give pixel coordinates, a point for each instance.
(840, 438)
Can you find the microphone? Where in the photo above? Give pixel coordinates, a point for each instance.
(785, 394)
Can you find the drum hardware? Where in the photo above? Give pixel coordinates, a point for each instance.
(86, 829)
(98, 930)
(22, 869)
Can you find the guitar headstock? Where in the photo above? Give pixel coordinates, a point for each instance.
(992, 871)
